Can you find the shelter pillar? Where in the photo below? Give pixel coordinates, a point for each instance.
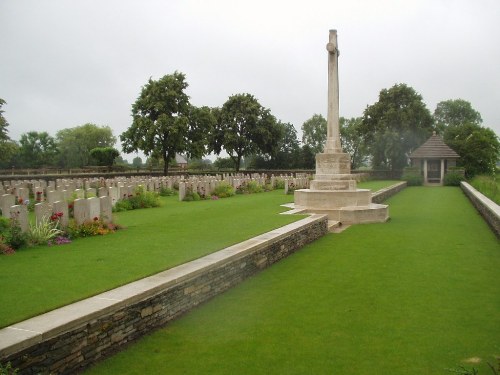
(425, 171)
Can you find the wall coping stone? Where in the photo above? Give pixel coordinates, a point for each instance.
(489, 210)
(381, 195)
(38, 329)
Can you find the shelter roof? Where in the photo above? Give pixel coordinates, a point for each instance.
(434, 148)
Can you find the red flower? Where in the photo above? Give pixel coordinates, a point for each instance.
(96, 218)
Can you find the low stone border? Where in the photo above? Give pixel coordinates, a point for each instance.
(488, 209)
(71, 338)
(383, 194)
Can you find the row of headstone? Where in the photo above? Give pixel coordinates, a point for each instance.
(123, 187)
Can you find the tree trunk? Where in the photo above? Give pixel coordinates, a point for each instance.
(238, 162)
(165, 163)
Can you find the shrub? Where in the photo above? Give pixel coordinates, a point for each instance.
(43, 231)
(191, 196)
(412, 176)
(166, 192)
(5, 249)
(4, 226)
(223, 190)
(268, 187)
(413, 180)
(254, 187)
(14, 237)
(241, 189)
(8, 369)
(95, 227)
(280, 183)
(453, 179)
(141, 199)
(249, 187)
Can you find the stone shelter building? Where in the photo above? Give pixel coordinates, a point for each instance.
(434, 158)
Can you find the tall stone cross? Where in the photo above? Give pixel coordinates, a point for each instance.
(332, 144)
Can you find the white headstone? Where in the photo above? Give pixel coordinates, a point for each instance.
(106, 209)
(42, 210)
(6, 202)
(182, 190)
(19, 213)
(61, 207)
(94, 208)
(80, 211)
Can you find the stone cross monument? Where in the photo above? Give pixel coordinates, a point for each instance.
(333, 128)
(333, 190)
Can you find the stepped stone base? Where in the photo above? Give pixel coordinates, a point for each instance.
(345, 206)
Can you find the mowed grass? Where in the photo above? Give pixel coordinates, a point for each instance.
(417, 295)
(40, 279)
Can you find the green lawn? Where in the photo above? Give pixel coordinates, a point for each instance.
(416, 295)
(39, 279)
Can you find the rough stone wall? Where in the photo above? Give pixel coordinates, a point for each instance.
(384, 194)
(486, 207)
(77, 349)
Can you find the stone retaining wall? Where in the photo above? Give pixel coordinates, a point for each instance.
(488, 209)
(383, 194)
(71, 338)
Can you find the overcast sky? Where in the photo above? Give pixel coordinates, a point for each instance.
(65, 63)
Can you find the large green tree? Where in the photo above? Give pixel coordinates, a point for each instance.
(104, 156)
(288, 154)
(314, 133)
(353, 140)
(394, 126)
(164, 123)
(3, 123)
(244, 127)
(74, 144)
(37, 149)
(460, 125)
(455, 112)
(307, 157)
(8, 148)
(478, 147)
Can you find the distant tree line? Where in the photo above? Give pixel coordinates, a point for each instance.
(165, 123)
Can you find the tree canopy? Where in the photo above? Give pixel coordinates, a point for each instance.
(104, 156)
(352, 140)
(37, 149)
(244, 128)
(394, 126)
(74, 144)
(455, 112)
(164, 123)
(288, 154)
(3, 123)
(8, 148)
(314, 133)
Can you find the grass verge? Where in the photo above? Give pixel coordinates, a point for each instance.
(489, 186)
(417, 295)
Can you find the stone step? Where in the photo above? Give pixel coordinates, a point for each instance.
(333, 225)
(295, 211)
